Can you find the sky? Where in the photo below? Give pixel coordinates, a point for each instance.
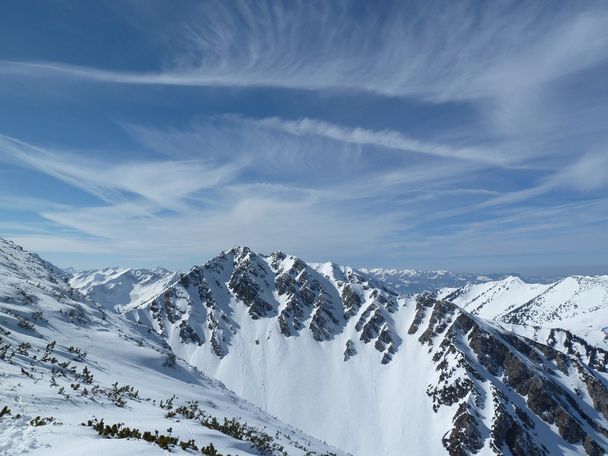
(469, 135)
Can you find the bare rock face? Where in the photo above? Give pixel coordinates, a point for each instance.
(350, 350)
(245, 282)
(512, 434)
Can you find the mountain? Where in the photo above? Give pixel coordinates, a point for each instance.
(117, 288)
(570, 314)
(576, 303)
(339, 354)
(72, 373)
(414, 281)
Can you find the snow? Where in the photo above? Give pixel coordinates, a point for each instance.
(121, 289)
(577, 303)
(116, 351)
(494, 299)
(412, 281)
(360, 405)
(298, 380)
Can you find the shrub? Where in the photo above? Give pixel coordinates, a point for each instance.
(40, 421)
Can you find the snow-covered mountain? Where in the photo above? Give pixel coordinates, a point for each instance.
(576, 303)
(72, 373)
(570, 314)
(119, 288)
(414, 281)
(337, 353)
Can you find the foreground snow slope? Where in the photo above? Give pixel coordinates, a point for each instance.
(65, 361)
(338, 354)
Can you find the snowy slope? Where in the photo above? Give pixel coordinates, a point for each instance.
(493, 300)
(577, 304)
(64, 361)
(573, 302)
(336, 353)
(118, 289)
(570, 315)
(414, 281)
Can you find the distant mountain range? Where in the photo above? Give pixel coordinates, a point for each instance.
(414, 281)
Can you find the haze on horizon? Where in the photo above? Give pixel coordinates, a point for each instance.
(469, 136)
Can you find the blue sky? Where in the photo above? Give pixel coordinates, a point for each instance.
(468, 135)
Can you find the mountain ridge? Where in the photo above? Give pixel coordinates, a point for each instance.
(71, 370)
(270, 325)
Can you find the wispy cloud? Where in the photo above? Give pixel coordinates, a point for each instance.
(439, 50)
(587, 173)
(163, 183)
(188, 209)
(509, 61)
(314, 188)
(517, 239)
(386, 138)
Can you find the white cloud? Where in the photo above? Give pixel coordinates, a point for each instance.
(309, 187)
(386, 138)
(164, 183)
(589, 173)
(586, 174)
(435, 50)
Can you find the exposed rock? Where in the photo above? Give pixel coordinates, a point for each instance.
(351, 301)
(508, 432)
(464, 438)
(423, 302)
(592, 448)
(349, 350)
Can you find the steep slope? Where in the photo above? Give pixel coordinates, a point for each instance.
(69, 370)
(336, 353)
(117, 288)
